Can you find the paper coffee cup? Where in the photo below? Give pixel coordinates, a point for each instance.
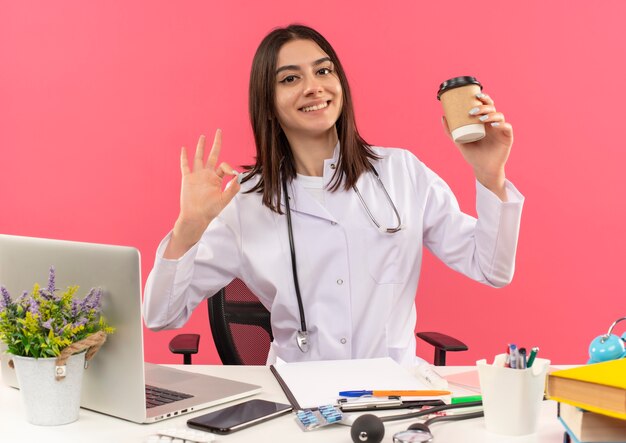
(458, 96)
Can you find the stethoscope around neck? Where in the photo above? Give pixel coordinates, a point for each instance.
(302, 335)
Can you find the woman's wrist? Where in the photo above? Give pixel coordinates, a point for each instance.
(185, 234)
(495, 182)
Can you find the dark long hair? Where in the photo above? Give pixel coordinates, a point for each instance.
(273, 153)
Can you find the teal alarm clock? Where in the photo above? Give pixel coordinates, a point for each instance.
(608, 346)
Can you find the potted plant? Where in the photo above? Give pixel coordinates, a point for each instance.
(47, 331)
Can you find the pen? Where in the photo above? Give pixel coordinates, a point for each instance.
(514, 356)
(418, 393)
(522, 358)
(533, 354)
(367, 403)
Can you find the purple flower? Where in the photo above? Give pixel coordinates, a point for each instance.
(92, 300)
(49, 292)
(51, 281)
(22, 297)
(75, 307)
(47, 295)
(85, 305)
(47, 324)
(6, 298)
(34, 306)
(96, 300)
(81, 322)
(59, 330)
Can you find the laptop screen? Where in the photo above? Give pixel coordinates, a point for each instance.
(117, 370)
(115, 381)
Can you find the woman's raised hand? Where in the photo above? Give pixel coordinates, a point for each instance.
(488, 155)
(202, 196)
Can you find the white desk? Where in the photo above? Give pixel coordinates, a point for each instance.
(98, 428)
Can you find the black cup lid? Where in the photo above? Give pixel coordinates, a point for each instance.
(457, 82)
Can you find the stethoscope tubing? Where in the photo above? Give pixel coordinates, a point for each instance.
(432, 410)
(294, 266)
(391, 203)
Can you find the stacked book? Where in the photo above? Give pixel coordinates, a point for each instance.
(592, 401)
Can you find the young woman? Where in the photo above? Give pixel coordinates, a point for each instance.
(344, 219)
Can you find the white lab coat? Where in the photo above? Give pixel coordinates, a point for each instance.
(358, 285)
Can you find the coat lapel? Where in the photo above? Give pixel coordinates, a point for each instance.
(301, 201)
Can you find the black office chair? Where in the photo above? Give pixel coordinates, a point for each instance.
(240, 325)
(242, 331)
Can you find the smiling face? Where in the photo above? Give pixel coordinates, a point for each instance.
(308, 97)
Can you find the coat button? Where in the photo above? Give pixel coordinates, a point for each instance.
(343, 341)
(333, 223)
(339, 281)
(333, 166)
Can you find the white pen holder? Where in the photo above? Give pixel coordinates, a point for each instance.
(512, 397)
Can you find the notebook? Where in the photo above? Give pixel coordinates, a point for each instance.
(118, 382)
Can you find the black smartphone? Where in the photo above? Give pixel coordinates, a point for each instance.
(240, 416)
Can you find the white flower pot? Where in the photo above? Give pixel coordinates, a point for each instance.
(49, 401)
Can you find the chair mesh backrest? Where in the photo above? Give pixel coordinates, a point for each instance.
(240, 325)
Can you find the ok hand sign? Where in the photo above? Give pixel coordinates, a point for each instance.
(201, 195)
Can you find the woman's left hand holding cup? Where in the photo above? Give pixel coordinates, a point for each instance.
(488, 155)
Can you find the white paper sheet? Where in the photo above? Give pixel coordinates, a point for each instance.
(319, 382)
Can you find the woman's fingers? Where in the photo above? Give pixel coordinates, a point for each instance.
(487, 113)
(222, 170)
(482, 109)
(215, 150)
(199, 156)
(505, 128)
(493, 117)
(184, 162)
(232, 188)
(225, 169)
(484, 98)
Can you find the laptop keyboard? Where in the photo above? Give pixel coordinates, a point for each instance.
(158, 396)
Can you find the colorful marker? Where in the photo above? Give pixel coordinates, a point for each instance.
(522, 358)
(466, 399)
(531, 358)
(514, 356)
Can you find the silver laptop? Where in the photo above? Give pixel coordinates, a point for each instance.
(117, 379)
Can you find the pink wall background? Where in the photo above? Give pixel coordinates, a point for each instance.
(96, 99)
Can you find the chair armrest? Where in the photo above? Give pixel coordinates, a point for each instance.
(443, 341)
(185, 344)
(442, 344)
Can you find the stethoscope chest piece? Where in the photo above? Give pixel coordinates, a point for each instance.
(417, 432)
(368, 428)
(302, 338)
